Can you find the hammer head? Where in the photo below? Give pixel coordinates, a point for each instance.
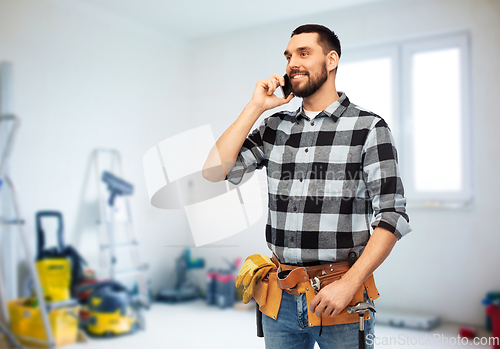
(360, 307)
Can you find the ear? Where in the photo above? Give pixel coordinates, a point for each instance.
(332, 60)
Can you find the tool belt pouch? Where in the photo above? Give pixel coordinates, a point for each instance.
(299, 280)
(319, 276)
(288, 279)
(268, 295)
(367, 287)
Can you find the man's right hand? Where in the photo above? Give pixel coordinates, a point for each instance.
(223, 155)
(263, 96)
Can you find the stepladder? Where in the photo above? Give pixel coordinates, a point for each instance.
(11, 222)
(120, 256)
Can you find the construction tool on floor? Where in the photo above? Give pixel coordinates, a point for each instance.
(17, 222)
(361, 309)
(493, 312)
(492, 298)
(60, 267)
(25, 319)
(112, 310)
(115, 222)
(183, 290)
(408, 319)
(221, 290)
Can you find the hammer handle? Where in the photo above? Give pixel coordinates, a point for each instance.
(362, 339)
(260, 332)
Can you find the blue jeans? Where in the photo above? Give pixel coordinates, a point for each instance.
(291, 331)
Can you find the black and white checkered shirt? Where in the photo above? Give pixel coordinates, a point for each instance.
(330, 180)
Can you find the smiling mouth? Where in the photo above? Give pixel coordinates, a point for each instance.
(297, 74)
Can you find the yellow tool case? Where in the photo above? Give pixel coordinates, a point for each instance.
(27, 324)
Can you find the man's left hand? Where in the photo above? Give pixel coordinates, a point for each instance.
(332, 299)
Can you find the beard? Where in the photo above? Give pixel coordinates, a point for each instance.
(313, 85)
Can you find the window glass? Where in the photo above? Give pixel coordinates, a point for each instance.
(436, 116)
(367, 83)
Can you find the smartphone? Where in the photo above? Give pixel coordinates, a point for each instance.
(287, 89)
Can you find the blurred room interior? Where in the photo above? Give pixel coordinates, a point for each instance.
(90, 87)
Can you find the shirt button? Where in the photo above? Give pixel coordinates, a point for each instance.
(301, 179)
(295, 208)
(306, 150)
(312, 123)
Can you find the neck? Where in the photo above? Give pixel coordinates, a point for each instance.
(321, 99)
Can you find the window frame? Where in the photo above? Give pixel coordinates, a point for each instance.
(400, 52)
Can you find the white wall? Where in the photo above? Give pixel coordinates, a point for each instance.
(83, 79)
(448, 263)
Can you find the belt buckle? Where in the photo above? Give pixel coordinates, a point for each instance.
(315, 283)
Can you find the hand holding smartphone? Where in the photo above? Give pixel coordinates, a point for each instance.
(287, 89)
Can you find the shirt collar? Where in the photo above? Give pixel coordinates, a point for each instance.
(334, 110)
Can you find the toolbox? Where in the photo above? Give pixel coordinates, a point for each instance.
(27, 324)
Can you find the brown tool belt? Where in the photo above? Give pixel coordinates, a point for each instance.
(318, 276)
(269, 291)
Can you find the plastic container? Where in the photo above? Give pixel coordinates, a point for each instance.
(493, 312)
(225, 290)
(27, 324)
(492, 297)
(210, 295)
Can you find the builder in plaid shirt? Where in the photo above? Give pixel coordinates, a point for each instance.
(332, 179)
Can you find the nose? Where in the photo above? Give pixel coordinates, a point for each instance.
(293, 62)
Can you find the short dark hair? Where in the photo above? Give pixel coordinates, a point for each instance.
(327, 39)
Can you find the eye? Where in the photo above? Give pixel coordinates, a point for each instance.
(303, 54)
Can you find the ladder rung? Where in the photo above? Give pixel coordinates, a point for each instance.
(40, 342)
(126, 244)
(140, 269)
(12, 221)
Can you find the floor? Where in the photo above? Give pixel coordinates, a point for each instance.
(195, 325)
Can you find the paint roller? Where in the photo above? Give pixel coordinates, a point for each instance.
(116, 186)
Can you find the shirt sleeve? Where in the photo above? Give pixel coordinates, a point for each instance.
(383, 181)
(251, 155)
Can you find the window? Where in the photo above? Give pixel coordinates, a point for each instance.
(421, 88)
(435, 97)
(375, 93)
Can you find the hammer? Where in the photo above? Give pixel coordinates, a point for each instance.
(361, 308)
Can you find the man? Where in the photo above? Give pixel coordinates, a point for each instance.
(332, 178)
